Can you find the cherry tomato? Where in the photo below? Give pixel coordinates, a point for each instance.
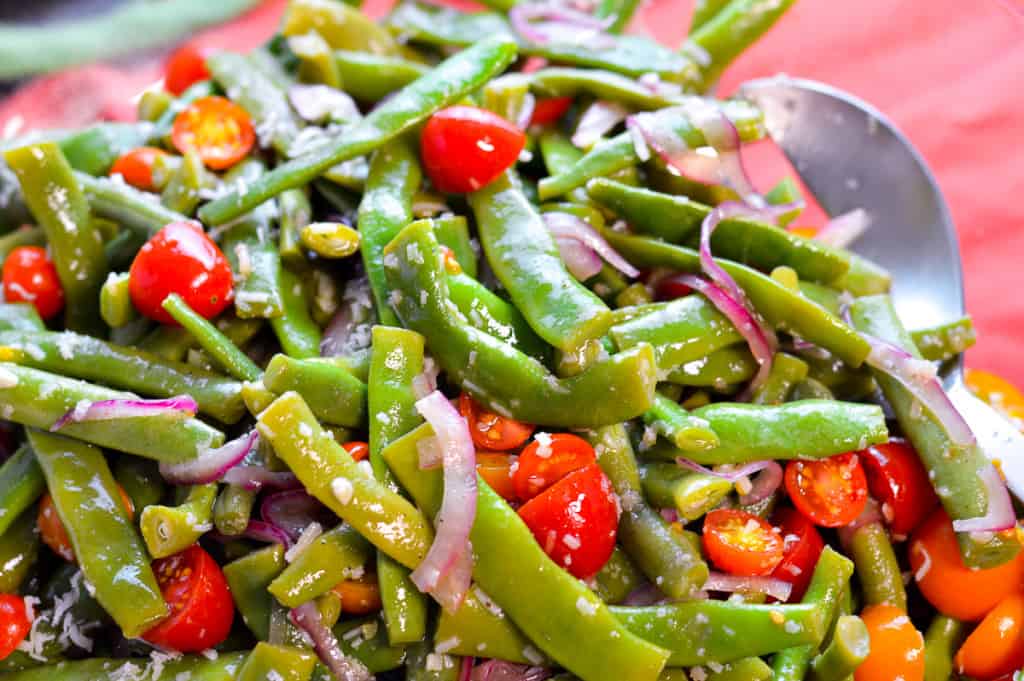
(490, 431)
(831, 492)
(136, 167)
(359, 596)
(807, 231)
(897, 648)
(548, 459)
(898, 480)
(14, 623)
(549, 110)
(465, 148)
(180, 259)
(201, 608)
(949, 585)
(359, 451)
(801, 547)
(185, 67)
(496, 470)
(670, 288)
(30, 277)
(741, 543)
(451, 263)
(219, 130)
(576, 520)
(996, 646)
(52, 530)
(998, 392)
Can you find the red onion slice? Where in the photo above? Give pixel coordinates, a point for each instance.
(644, 595)
(843, 230)
(255, 478)
(500, 670)
(450, 549)
(1000, 515)
(872, 513)
(182, 406)
(466, 668)
(770, 586)
(581, 261)
(550, 22)
(266, 532)
(212, 464)
(293, 511)
(344, 668)
(451, 589)
(525, 114)
(764, 485)
(596, 121)
(730, 473)
(569, 226)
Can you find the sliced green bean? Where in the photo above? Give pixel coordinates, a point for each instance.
(371, 77)
(21, 483)
(877, 568)
(941, 641)
(141, 481)
(786, 372)
(720, 370)
(452, 231)
(849, 647)
(666, 485)
(210, 339)
(295, 329)
(126, 205)
(945, 341)
(334, 394)
(618, 578)
(481, 628)
(682, 429)
(335, 555)
(281, 663)
(248, 577)
(168, 530)
(732, 30)
(19, 549)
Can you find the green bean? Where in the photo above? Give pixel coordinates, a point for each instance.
(295, 329)
(330, 239)
(944, 341)
(941, 640)
(168, 530)
(334, 395)
(786, 372)
(876, 566)
(849, 647)
(282, 663)
(620, 11)
(811, 389)
(316, 61)
(22, 236)
(604, 85)
(232, 510)
(126, 205)
(685, 431)
(491, 314)
(618, 578)
(19, 549)
(296, 213)
(481, 628)
(21, 483)
(210, 339)
(343, 27)
(666, 485)
(370, 77)
(747, 669)
(197, 668)
(140, 479)
(506, 95)
(704, 11)
(721, 369)
(733, 29)
(422, 664)
(864, 278)
(94, 149)
(272, 66)
(115, 301)
(366, 640)
(181, 193)
(171, 343)
(335, 555)
(452, 231)
(248, 577)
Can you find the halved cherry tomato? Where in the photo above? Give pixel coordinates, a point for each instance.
(14, 623)
(451, 263)
(830, 492)
(496, 470)
(898, 480)
(359, 596)
(548, 459)
(949, 585)
(357, 450)
(742, 543)
(185, 67)
(801, 547)
(52, 530)
(465, 148)
(576, 520)
(30, 277)
(180, 259)
(219, 130)
(670, 288)
(807, 231)
(549, 109)
(136, 167)
(897, 648)
(490, 431)
(201, 608)
(998, 392)
(996, 646)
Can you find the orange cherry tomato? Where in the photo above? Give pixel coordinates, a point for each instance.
(549, 110)
(496, 470)
(576, 520)
(898, 479)
(831, 492)
(897, 648)
(490, 431)
(359, 451)
(359, 596)
(136, 167)
(998, 392)
(14, 623)
(742, 543)
(451, 263)
(807, 231)
(948, 584)
(200, 603)
(52, 530)
(465, 148)
(30, 277)
(801, 546)
(996, 646)
(219, 130)
(548, 459)
(185, 67)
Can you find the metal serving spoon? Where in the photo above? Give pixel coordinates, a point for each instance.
(851, 156)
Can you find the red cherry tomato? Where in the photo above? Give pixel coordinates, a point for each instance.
(741, 543)
(490, 431)
(30, 277)
(201, 608)
(180, 259)
(218, 130)
(548, 459)
(575, 521)
(14, 623)
(359, 451)
(801, 546)
(136, 167)
(185, 67)
(496, 470)
(898, 480)
(830, 492)
(549, 110)
(670, 288)
(465, 148)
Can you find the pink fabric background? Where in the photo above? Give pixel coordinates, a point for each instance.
(949, 73)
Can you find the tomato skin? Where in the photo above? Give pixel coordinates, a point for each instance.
(359, 451)
(998, 392)
(201, 608)
(52, 530)
(802, 545)
(950, 586)
(465, 148)
(897, 648)
(136, 167)
(899, 481)
(583, 508)
(181, 259)
(996, 646)
(359, 596)
(14, 623)
(549, 109)
(670, 288)
(806, 231)
(217, 129)
(741, 543)
(831, 492)
(496, 470)
(491, 431)
(185, 67)
(30, 277)
(565, 453)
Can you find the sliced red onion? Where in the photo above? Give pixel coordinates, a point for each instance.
(643, 595)
(500, 670)
(451, 589)
(640, 148)
(872, 513)
(126, 408)
(318, 103)
(550, 22)
(258, 530)
(212, 464)
(426, 381)
(569, 226)
(653, 83)
(581, 261)
(466, 668)
(764, 485)
(843, 230)
(770, 586)
(293, 511)
(450, 552)
(670, 515)
(1000, 515)
(730, 473)
(255, 478)
(430, 453)
(525, 114)
(344, 668)
(599, 118)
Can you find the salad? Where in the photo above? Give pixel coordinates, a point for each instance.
(461, 346)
